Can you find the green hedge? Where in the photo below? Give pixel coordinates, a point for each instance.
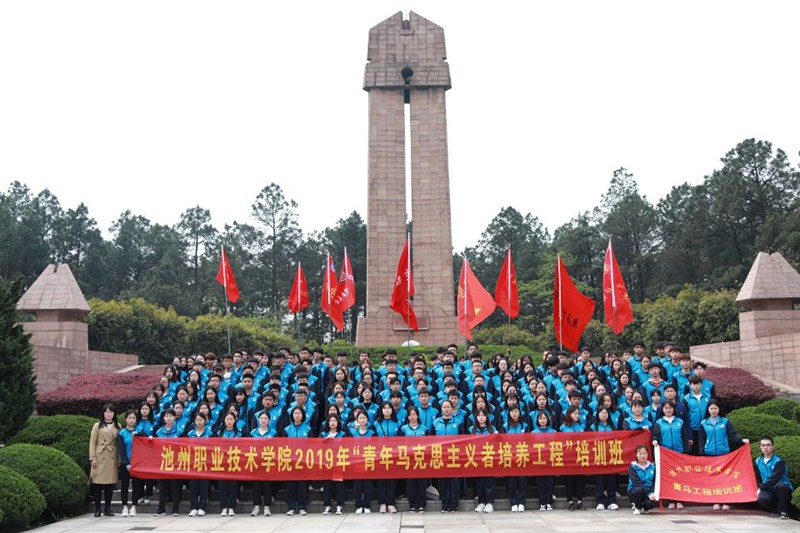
(752, 424)
(788, 449)
(60, 480)
(68, 433)
(21, 504)
(796, 498)
(783, 407)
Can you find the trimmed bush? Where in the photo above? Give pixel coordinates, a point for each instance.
(86, 395)
(752, 424)
(796, 498)
(21, 504)
(737, 388)
(788, 449)
(60, 480)
(68, 433)
(783, 407)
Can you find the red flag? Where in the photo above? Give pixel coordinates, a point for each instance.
(404, 290)
(225, 277)
(571, 309)
(616, 304)
(505, 294)
(475, 304)
(298, 298)
(328, 300)
(346, 293)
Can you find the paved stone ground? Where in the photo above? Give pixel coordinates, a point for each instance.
(700, 519)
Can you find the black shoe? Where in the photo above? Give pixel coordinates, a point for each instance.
(97, 513)
(579, 505)
(571, 506)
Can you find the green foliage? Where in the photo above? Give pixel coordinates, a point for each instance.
(796, 498)
(21, 504)
(788, 449)
(783, 407)
(67, 433)
(60, 480)
(208, 333)
(753, 424)
(512, 334)
(17, 389)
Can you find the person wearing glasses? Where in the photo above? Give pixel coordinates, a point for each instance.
(774, 488)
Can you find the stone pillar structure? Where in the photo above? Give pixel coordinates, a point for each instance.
(407, 66)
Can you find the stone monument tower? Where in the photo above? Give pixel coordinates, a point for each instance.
(406, 65)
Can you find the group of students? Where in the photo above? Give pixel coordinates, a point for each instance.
(314, 394)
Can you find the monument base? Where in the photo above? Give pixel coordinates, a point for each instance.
(387, 328)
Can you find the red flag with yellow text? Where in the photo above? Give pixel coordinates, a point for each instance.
(572, 310)
(329, 290)
(616, 304)
(404, 289)
(346, 294)
(298, 298)
(475, 304)
(505, 294)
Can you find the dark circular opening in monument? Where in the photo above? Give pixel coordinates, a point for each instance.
(407, 74)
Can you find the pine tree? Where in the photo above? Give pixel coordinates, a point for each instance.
(17, 388)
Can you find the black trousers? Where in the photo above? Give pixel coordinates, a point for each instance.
(329, 488)
(575, 487)
(639, 498)
(297, 495)
(450, 492)
(228, 493)
(363, 492)
(484, 489)
(198, 494)
(106, 490)
(545, 486)
(262, 493)
(775, 500)
(517, 487)
(605, 489)
(415, 490)
(125, 481)
(386, 491)
(169, 488)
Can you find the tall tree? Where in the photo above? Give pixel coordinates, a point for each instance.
(630, 221)
(351, 232)
(25, 228)
(197, 232)
(281, 235)
(581, 239)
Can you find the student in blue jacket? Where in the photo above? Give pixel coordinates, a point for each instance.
(297, 491)
(386, 425)
(198, 488)
(228, 488)
(517, 485)
(124, 447)
(449, 487)
(362, 487)
(575, 485)
(484, 486)
(718, 437)
(415, 487)
(605, 485)
(544, 484)
(641, 482)
(262, 489)
(333, 430)
(171, 487)
(670, 432)
(774, 488)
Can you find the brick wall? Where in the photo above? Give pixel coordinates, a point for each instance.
(54, 367)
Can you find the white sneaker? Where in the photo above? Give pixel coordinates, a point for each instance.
(201, 512)
(193, 512)
(382, 508)
(542, 507)
(303, 512)
(338, 509)
(360, 510)
(231, 513)
(267, 511)
(489, 508)
(549, 507)
(132, 512)
(636, 511)
(613, 507)
(513, 508)
(327, 510)
(367, 510)
(256, 511)
(224, 512)
(480, 507)
(520, 508)
(124, 510)
(290, 512)
(600, 507)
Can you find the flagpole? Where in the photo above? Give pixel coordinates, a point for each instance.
(508, 293)
(328, 296)
(464, 266)
(560, 317)
(297, 313)
(408, 289)
(225, 289)
(347, 275)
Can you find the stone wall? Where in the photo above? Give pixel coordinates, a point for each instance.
(776, 358)
(54, 366)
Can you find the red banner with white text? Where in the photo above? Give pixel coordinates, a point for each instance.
(725, 478)
(386, 457)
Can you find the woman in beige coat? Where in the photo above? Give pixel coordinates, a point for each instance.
(104, 457)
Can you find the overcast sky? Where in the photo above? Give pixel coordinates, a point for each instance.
(159, 106)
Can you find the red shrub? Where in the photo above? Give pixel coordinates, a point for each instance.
(738, 388)
(86, 395)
